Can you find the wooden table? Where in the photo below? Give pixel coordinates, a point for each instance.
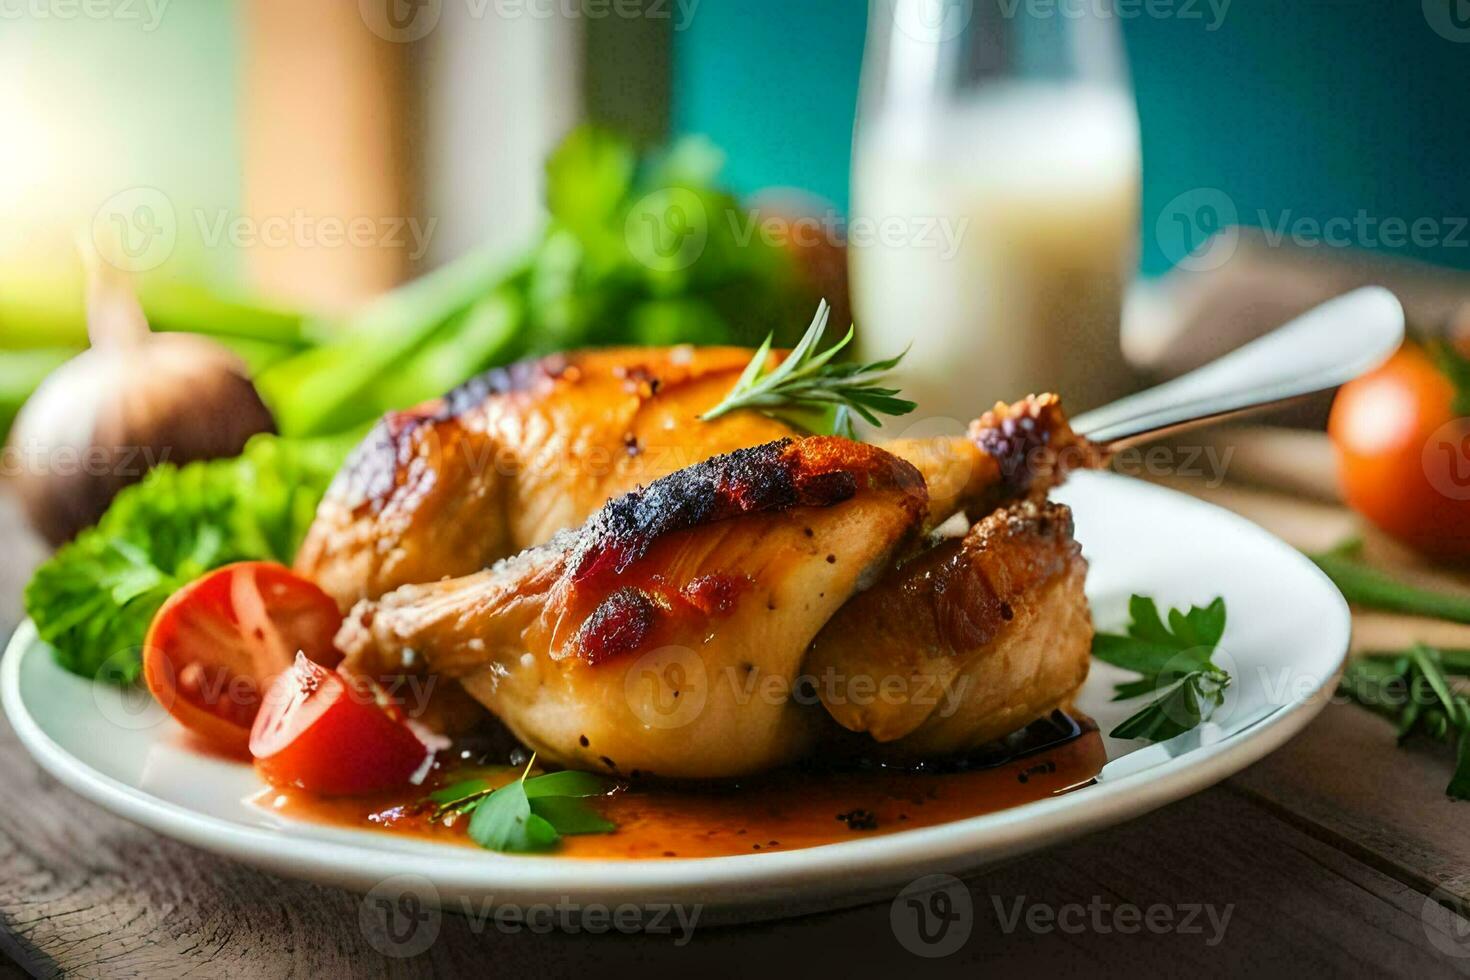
(1332, 855)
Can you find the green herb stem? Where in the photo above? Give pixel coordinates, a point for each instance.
(1363, 585)
(1412, 688)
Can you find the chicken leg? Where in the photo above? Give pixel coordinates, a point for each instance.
(965, 643)
(667, 634)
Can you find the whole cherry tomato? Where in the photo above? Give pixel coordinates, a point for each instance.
(1403, 450)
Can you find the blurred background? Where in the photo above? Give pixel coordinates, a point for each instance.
(1317, 108)
(369, 200)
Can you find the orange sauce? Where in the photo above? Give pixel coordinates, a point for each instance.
(778, 812)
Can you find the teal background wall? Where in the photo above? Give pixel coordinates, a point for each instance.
(775, 80)
(1294, 108)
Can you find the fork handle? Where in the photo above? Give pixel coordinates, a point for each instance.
(1321, 349)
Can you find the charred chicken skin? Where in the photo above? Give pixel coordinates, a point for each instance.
(507, 460)
(667, 634)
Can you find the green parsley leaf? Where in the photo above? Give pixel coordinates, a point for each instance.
(568, 782)
(1146, 624)
(93, 600)
(1151, 648)
(568, 815)
(528, 814)
(1175, 663)
(503, 821)
(1179, 710)
(1142, 656)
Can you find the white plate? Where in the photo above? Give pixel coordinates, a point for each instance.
(1284, 644)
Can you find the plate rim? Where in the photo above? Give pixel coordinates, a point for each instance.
(734, 881)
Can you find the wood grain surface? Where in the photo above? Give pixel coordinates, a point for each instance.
(1337, 855)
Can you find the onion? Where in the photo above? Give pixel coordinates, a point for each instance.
(133, 400)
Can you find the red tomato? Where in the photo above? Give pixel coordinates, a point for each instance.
(328, 733)
(1404, 453)
(218, 642)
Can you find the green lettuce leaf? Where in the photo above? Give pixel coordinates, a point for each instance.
(93, 600)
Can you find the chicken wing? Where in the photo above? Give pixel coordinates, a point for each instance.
(965, 643)
(666, 635)
(503, 462)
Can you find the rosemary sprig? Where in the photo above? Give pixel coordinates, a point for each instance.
(809, 384)
(1413, 688)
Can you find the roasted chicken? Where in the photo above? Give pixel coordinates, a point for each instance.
(676, 583)
(507, 460)
(666, 635)
(965, 643)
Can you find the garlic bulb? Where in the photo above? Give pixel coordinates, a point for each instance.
(133, 400)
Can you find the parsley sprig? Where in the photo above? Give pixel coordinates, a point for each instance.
(811, 390)
(526, 814)
(1175, 663)
(1415, 690)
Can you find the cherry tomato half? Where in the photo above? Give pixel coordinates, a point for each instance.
(1404, 454)
(218, 642)
(332, 734)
